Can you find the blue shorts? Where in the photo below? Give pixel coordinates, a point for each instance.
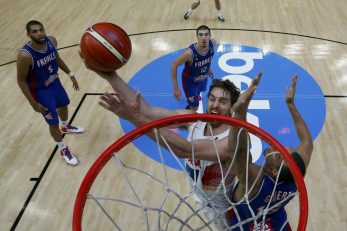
(52, 97)
(192, 91)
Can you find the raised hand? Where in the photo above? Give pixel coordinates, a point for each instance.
(177, 94)
(291, 91)
(241, 105)
(39, 108)
(126, 109)
(105, 75)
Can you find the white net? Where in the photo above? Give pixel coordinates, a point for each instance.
(133, 192)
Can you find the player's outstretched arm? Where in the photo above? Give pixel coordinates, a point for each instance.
(130, 110)
(126, 92)
(237, 143)
(305, 148)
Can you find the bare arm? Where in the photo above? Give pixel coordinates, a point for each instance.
(62, 65)
(305, 148)
(238, 146)
(24, 63)
(214, 42)
(129, 110)
(186, 56)
(126, 92)
(152, 113)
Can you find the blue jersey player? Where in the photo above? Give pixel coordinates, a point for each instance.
(262, 194)
(37, 76)
(197, 60)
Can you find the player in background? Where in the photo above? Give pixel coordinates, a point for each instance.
(197, 60)
(37, 76)
(195, 5)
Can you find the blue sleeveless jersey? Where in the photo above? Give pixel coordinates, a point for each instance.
(276, 218)
(44, 70)
(197, 71)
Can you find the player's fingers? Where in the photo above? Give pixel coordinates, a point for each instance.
(295, 77)
(106, 100)
(111, 99)
(116, 98)
(43, 108)
(138, 98)
(103, 104)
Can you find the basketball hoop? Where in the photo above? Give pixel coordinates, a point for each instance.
(183, 200)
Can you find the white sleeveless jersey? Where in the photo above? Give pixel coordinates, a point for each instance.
(209, 172)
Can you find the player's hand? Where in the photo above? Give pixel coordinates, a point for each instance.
(241, 106)
(105, 75)
(39, 108)
(177, 94)
(210, 73)
(123, 108)
(291, 91)
(75, 85)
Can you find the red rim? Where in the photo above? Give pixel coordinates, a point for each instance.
(129, 137)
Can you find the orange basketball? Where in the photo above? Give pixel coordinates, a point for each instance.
(105, 46)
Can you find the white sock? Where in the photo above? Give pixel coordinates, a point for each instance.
(190, 10)
(61, 145)
(64, 123)
(219, 13)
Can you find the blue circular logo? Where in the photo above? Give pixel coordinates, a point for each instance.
(239, 64)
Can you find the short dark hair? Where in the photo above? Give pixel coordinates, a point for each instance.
(228, 86)
(203, 27)
(32, 23)
(285, 174)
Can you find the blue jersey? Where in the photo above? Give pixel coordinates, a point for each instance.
(195, 74)
(44, 69)
(276, 219)
(197, 71)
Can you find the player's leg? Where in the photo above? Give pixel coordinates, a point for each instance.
(65, 127)
(46, 98)
(64, 150)
(194, 5)
(219, 13)
(62, 100)
(192, 93)
(193, 102)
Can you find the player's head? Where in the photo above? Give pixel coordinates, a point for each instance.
(203, 34)
(273, 163)
(36, 31)
(221, 97)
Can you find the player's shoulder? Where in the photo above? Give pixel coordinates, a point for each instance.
(187, 54)
(189, 50)
(53, 40)
(24, 54)
(214, 42)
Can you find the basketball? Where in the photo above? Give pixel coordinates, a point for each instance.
(105, 47)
